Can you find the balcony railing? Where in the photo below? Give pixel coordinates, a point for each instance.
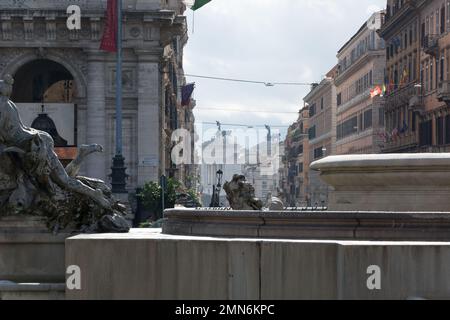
(430, 44)
(402, 142)
(443, 92)
(410, 95)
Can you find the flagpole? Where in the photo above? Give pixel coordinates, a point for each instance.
(118, 169)
(119, 80)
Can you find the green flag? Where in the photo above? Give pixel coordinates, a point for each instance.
(199, 3)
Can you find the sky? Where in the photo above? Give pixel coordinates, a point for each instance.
(268, 41)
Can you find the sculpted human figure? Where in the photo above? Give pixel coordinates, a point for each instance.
(241, 194)
(37, 150)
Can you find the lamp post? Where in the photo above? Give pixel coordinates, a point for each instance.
(118, 175)
(215, 201)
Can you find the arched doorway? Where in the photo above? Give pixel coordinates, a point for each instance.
(44, 92)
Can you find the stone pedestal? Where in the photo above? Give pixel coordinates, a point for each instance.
(31, 259)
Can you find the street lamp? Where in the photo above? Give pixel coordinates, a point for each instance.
(215, 200)
(219, 175)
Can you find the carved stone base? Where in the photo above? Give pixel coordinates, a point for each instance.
(29, 252)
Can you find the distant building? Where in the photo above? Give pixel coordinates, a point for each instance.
(208, 171)
(361, 67)
(265, 175)
(321, 133)
(295, 174)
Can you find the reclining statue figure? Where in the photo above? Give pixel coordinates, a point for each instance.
(30, 169)
(241, 194)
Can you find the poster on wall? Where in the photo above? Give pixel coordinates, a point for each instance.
(63, 116)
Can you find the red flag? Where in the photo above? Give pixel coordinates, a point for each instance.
(375, 92)
(109, 40)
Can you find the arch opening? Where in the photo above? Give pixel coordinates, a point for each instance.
(44, 92)
(44, 81)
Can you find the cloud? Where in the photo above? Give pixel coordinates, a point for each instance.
(373, 8)
(270, 41)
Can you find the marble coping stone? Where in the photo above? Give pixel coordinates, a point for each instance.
(395, 226)
(387, 182)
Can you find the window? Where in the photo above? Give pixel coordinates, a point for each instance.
(431, 25)
(447, 129)
(347, 128)
(321, 103)
(339, 99)
(442, 19)
(440, 131)
(318, 153)
(437, 22)
(381, 117)
(436, 76)
(423, 33)
(368, 119)
(425, 133)
(410, 36)
(312, 133)
(409, 68)
(415, 31)
(312, 110)
(431, 76)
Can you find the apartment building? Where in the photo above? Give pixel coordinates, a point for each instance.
(361, 67)
(418, 41)
(321, 133)
(295, 183)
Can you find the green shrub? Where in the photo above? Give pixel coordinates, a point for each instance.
(151, 196)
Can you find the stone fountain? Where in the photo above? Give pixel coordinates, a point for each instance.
(41, 204)
(374, 197)
(388, 213)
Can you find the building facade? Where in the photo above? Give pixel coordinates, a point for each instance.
(63, 73)
(418, 52)
(401, 31)
(295, 162)
(321, 134)
(360, 118)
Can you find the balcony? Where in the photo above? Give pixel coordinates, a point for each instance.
(404, 143)
(410, 95)
(430, 45)
(443, 92)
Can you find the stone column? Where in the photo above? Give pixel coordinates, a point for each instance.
(96, 114)
(149, 129)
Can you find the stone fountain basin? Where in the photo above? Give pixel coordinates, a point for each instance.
(323, 225)
(387, 182)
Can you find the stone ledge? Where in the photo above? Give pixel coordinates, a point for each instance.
(31, 291)
(416, 226)
(145, 264)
